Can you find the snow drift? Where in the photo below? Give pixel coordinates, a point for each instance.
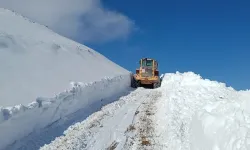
(37, 67)
(19, 121)
(224, 124)
(197, 113)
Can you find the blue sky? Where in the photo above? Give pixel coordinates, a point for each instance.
(210, 38)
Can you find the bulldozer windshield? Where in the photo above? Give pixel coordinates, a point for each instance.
(147, 63)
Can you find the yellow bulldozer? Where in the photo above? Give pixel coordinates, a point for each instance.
(147, 75)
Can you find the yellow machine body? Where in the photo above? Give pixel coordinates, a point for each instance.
(146, 74)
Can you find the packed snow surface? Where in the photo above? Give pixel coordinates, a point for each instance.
(186, 112)
(35, 61)
(117, 125)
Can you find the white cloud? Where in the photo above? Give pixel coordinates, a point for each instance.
(86, 20)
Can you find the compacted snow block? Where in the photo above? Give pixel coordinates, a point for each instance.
(17, 122)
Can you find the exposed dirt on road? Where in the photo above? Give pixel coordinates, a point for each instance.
(141, 133)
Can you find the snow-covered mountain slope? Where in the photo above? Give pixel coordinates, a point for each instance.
(45, 77)
(34, 61)
(186, 113)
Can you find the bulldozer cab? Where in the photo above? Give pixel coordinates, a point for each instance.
(146, 63)
(148, 67)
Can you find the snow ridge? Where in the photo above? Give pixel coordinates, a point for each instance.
(4, 10)
(17, 122)
(198, 114)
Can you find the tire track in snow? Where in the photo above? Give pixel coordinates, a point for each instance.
(141, 133)
(103, 129)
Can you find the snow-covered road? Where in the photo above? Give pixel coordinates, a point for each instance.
(113, 126)
(141, 132)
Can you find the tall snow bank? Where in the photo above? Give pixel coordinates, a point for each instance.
(201, 114)
(224, 124)
(35, 61)
(17, 122)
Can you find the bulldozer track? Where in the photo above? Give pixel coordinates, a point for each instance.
(142, 129)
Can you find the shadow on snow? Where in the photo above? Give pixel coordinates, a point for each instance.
(39, 138)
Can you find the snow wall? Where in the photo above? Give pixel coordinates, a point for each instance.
(198, 113)
(18, 121)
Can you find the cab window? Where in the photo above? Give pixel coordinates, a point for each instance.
(147, 63)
